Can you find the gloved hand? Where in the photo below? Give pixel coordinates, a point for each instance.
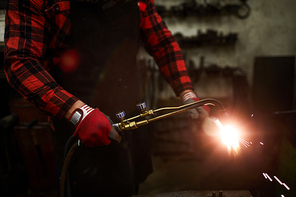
(198, 113)
(201, 115)
(93, 127)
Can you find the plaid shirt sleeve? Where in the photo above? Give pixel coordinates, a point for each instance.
(26, 41)
(160, 43)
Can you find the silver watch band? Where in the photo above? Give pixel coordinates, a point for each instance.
(76, 117)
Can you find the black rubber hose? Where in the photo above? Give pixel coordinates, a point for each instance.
(68, 153)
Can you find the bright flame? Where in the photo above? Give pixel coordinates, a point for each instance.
(229, 135)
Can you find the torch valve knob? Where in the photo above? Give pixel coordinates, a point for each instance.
(120, 115)
(141, 106)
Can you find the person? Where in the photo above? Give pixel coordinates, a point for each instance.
(76, 62)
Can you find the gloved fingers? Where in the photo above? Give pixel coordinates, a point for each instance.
(108, 117)
(94, 129)
(198, 113)
(203, 114)
(115, 135)
(114, 128)
(193, 113)
(207, 108)
(98, 138)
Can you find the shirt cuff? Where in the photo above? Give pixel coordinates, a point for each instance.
(60, 102)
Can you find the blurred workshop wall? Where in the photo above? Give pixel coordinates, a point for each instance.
(269, 30)
(224, 70)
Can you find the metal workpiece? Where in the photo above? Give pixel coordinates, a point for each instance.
(202, 193)
(131, 123)
(220, 194)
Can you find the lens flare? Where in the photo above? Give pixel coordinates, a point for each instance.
(70, 61)
(229, 136)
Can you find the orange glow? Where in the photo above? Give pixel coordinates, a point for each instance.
(229, 136)
(70, 61)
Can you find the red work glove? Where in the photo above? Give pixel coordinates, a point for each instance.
(92, 126)
(199, 113)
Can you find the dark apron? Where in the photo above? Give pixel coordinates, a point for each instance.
(108, 78)
(107, 42)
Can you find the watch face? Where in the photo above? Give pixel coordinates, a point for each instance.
(76, 117)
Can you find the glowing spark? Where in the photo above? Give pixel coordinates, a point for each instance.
(244, 142)
(266, 175)
(286, 186)
(245, 145)
(230, 136)
(278, 180)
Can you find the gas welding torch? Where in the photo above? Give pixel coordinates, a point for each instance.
(132, 123)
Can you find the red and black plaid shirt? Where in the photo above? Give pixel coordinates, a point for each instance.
(35, 28)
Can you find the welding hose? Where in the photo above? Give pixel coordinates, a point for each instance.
(68, 153)
(128, 124)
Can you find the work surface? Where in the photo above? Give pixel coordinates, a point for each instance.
(208, 193)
